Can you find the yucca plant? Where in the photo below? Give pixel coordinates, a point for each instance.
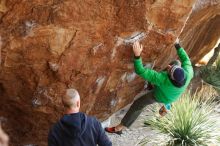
(190, 122)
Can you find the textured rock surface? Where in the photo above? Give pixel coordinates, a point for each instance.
(201, 32)
(47, 46)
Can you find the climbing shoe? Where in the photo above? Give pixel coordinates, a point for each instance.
(112, 130)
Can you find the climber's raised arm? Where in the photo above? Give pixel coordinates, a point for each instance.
(150, 75)
(184, 58)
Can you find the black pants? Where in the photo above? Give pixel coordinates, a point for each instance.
(136, 108)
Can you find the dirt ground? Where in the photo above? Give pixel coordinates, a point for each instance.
(136, 134)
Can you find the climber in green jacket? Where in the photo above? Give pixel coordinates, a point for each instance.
(168, 85)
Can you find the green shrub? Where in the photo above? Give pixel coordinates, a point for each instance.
(211, 75)
(191, 121)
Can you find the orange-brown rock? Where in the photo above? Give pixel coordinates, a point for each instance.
(47, 46)
(202, 29)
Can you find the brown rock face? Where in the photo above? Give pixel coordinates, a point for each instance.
(47, 46)
(202, 29)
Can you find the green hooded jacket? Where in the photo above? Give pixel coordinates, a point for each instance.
(164, 91)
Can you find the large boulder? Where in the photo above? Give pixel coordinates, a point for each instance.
(47, 46)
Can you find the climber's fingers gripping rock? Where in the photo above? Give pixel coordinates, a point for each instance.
(137, 48)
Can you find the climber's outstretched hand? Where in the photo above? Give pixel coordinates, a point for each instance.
(177, 41)
(177, 44)
(137, 48)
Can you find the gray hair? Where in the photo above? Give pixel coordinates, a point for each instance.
(70, 98)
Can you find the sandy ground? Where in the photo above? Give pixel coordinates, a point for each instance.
(137, 133)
